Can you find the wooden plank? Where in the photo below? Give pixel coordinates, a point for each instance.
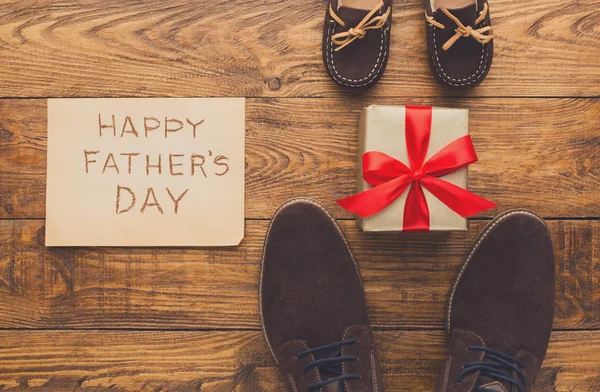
(407, 279)
(269, 48)
(307, 147)
(240, 361)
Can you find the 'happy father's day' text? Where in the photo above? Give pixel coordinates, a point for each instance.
(125, 163)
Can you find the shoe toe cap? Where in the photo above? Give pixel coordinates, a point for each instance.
(505, 292)
(309, 281)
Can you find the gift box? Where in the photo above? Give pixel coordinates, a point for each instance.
(412, 170)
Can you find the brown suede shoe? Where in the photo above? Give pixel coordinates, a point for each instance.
(313, 306)
(501, 308)
(459, 41)
(356, 41)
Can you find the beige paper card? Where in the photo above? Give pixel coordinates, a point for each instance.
(145, 172)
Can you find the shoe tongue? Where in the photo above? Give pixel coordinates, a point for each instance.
(335, 387)
(351, 16)
(497, 386)
(467, 15)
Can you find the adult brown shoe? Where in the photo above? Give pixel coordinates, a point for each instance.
(459, 41)
(356, 41)
(312, 303)
(501, 308)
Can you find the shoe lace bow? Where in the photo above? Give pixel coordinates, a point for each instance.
(369, 22)
(482, 35)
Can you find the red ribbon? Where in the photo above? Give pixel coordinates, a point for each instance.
(390, 177)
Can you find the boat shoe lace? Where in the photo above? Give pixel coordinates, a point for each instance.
(369, 22)
(482, 35)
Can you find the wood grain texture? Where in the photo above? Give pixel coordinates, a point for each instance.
(240, 361)
(407, 278)
(270, 48)
(308, 147)
(144, 319)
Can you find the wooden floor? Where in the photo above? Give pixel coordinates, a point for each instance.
(187, 319)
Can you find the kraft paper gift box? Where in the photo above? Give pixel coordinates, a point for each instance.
(386, 134)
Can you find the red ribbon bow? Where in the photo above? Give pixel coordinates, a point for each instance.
(391, 177)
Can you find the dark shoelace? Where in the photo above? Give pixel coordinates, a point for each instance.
(331, 365)
(494, 365)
